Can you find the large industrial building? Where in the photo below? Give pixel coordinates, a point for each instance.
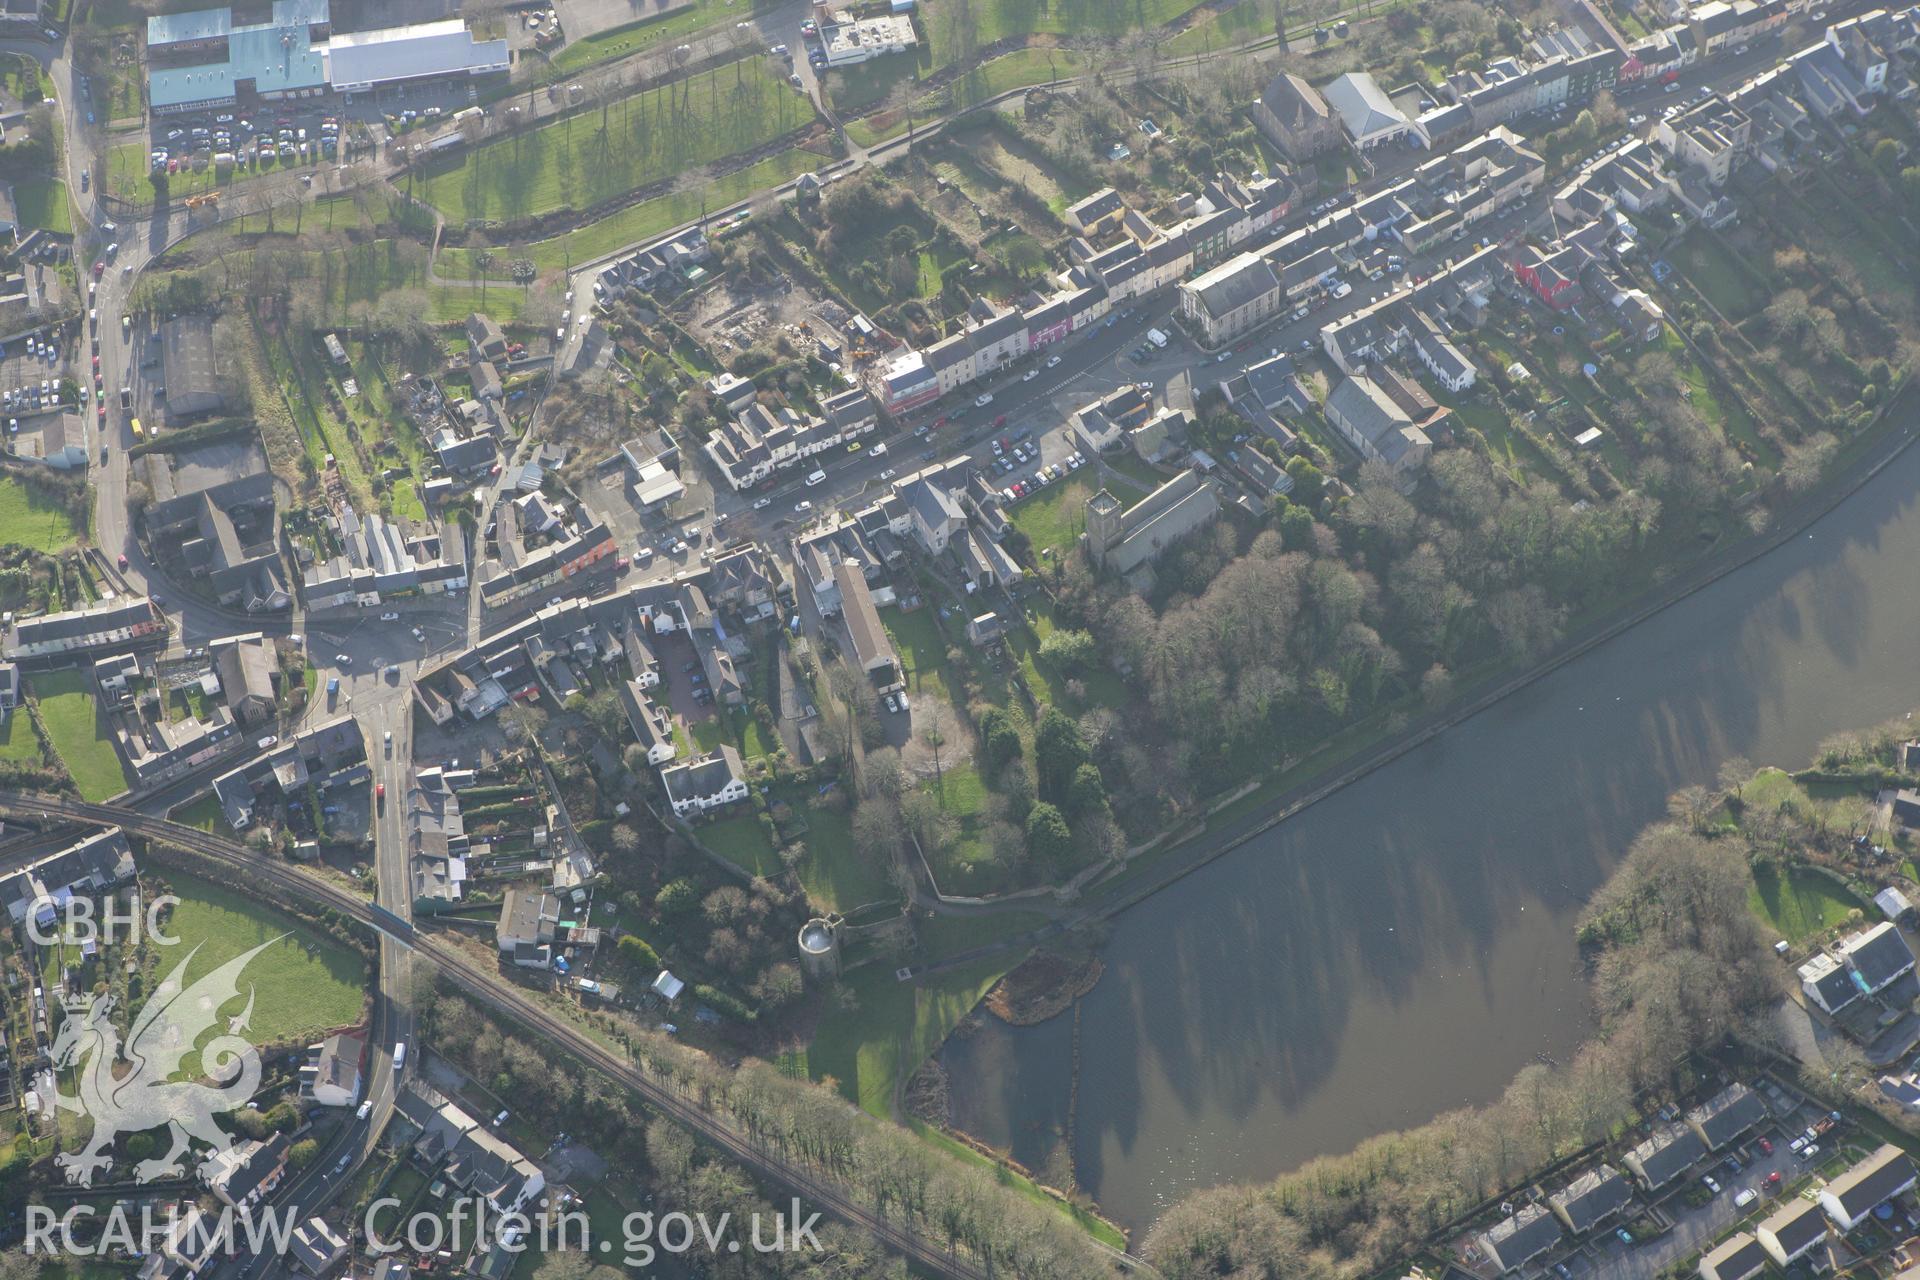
(214, 58)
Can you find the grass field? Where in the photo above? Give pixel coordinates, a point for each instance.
(41, 204)
(595, 155)
(1801, 903)
(30, 520)
(79, 736)
(302, 984)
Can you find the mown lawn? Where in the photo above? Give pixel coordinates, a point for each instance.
(594, 155)
(30, 520)
(742, 841)
(19, 742)
(78, 733)
(203, 812)
(303, 984)
(1800, 903)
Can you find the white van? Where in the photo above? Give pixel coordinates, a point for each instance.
(817, 477)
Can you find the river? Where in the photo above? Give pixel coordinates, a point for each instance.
(1406, 946)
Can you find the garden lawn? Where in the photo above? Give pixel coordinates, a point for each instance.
(19, 743)
(79, 735)
(303, 984)
(1712, 269)
(742, 841)
(1799, 903)
(594, 155)
(41, 204)
(203, 812)
(30, 520)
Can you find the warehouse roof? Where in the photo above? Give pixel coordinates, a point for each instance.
(402, 53)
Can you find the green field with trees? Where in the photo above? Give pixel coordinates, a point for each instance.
(617, 146)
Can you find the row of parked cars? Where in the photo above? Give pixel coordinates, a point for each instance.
(285, 140)
(1026, 452)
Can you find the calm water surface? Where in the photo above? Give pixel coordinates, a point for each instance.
(1406, 946)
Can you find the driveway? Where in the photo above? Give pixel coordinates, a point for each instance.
(1694, 1229)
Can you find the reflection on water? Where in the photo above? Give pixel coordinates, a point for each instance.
(1406, 946)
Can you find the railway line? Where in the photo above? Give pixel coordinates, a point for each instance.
(472, 980)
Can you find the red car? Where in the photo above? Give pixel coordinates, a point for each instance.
(379, 791)
(123, 559)
(99, 269)
(103, 411)
(96, 364)
(1000, 421)
(1773, 1179)
(1766, 1146)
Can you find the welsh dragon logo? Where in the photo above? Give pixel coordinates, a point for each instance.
(128, 1090)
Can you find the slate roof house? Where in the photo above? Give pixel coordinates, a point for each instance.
(246, 1172)
(706, 783)
(1739, 1257)
(1515, 1241)
(1591, 1199)
(1792, 1231)
(1851, 1198)
(1877, 957)
(1665, 1156)
(1727, 1115)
